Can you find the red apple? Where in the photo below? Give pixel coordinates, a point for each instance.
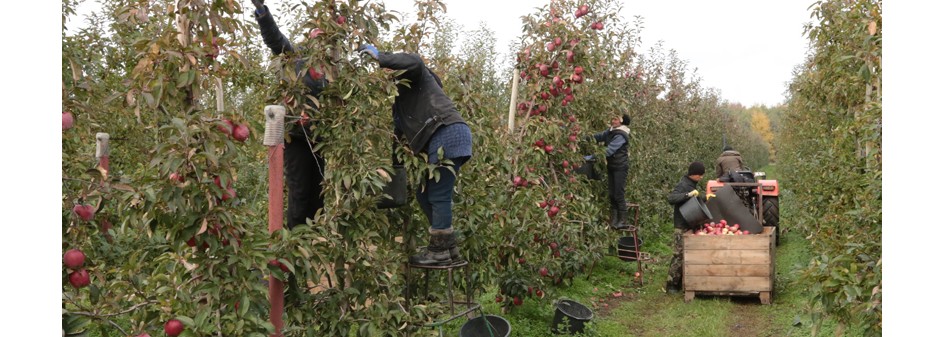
(553, 211)
(144, 334)
(341, 20)
(517, 181)
(545, 95)
(550, 46)
(85, 212)
(241, 132)
(553, 245)
(315, 33)
(539, 293)
(572, 138)
(543, 204)
(577, 78)
(498, 299)
(230, 193)
(226, 126)
(79, 278)
(565, 164)
(517, 301)
(521, 260)
(549, 148)
(543, 272)
(175, 177)
(73, 259)
(173, 327)
(281, 266)
(579, 70)
(570, 56)
(543, 70)
(192, 242)
(67, 120)
(558, 41)
(315, 74)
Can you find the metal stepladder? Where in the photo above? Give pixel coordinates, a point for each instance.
(632, 231)
(468, 302)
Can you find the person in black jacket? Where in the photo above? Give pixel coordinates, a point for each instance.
(617, 139)
(686, 188)
(304, 167)
(428, 121)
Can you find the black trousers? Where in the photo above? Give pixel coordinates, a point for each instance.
(617, 186)
(304, 172)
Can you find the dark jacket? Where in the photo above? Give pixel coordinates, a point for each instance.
(421, 106)
(730, 160)
(679, 196)
(279, 44)
(617, 139)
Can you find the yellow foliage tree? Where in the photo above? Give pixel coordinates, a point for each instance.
(762, 125)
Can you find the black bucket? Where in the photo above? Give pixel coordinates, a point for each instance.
(588, 168)
(396, 190)
(695, 212)
(479, 327)
(575, 313)
(626, 248)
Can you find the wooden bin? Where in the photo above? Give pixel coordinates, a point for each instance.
(729, 265)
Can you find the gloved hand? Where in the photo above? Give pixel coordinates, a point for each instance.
(366, 49)
(709, 196)
(694, 193)
(260, 6)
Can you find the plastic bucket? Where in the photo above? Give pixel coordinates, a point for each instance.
(479, 327)
(587, 168)
(396, 189)
(695, 212)
(572, 314)
(626, 248)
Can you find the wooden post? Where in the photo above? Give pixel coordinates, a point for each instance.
(512, 103)
(275, 119)
(101, 151)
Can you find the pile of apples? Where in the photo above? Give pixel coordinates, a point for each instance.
(721, 228)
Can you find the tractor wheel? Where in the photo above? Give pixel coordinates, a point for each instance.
(772, 217)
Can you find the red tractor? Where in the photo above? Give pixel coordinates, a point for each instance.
(757, 193)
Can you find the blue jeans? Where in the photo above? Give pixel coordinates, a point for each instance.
(436, 200)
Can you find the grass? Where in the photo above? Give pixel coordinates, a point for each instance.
(650, 311)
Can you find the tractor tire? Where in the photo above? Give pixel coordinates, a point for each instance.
(772, 217)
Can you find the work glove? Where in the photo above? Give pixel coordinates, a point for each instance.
(709, 196)
(694, 193)
(260, 6)
(366, 49)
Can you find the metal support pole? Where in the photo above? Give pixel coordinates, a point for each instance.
(273, 139)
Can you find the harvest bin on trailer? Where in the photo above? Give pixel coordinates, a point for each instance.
(729, 265)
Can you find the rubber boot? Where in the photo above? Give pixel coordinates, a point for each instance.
(437, 252)
(454, 249)
(620, 222)
(613, 217)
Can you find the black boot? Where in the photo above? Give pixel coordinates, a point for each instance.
(620, 222)
(454, 249)
(438, 252)
(613, 217)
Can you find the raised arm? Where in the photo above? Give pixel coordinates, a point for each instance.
(271, 35)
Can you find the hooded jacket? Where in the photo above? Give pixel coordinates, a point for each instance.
(617, 139)
(421, 106)
(279, 44)
(678, 196)
(730, 160)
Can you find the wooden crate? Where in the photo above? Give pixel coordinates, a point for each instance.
(729, 265)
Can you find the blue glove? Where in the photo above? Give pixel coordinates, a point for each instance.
(369, 50)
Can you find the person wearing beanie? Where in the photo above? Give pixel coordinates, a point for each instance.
(729, 161)
(617, 138)
(686, 188)
(428, 122)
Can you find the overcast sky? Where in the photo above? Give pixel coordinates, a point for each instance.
(746, 49)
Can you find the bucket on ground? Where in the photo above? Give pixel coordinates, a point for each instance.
(572, 315)
(695, 212)
(626, 248)
(486, 326)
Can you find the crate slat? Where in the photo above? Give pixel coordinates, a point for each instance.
(728, 283)
(691, 270)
